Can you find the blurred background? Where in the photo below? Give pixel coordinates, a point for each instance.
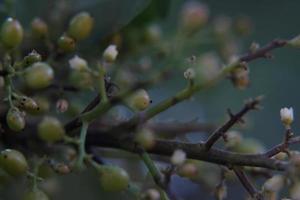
(277, 79)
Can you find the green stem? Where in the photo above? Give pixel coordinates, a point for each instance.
(82, 138)
(154, 171)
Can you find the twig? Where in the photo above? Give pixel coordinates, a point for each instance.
(234, 118)
(254, 193)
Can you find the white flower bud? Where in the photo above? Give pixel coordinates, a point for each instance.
(178, 157)
(110, 53)
(152, 194)
(274, 184)
(287, 116)
(78, 63)
(189, 74)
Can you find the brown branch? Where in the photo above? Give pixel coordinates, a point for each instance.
(263, 52)
(193, 151)
(254, 193)
(282, 146)
(234, 118)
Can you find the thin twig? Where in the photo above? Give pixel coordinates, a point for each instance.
(234, 118)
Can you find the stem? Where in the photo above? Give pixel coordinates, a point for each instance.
(82, 139)
(154, 171)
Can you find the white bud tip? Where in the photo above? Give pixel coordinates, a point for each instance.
(287, 116)
(178, 157)
(78, 63)
(110, 53)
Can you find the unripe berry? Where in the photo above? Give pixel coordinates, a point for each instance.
(66, 44)
(113, 178)
(26, 103)
(36, 194)
(140, 100)
(11, 33)
(13, 162)
(81, 79)
(50, 129)
(31, 58)
(39, 75)
(145, 138)
(15, 119)
(81, 26)
(43, 105)
(188, 170)
(39, 28)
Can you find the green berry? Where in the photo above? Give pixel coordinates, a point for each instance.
(31, 58)
(26, 103)
(39, 28)
(81, 79)
(113, 178)
(81, 26)
(13, 162)
(35, 195)
(11, 33)
(140, 100)
(66, 43)
(145, 138)
(39, 75)
(15, 119)
(50, 129)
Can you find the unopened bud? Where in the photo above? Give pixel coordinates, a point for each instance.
(81, 26)
(178, 157)
(287, 116)
(240, 77)
(31, 58)
(11, 33)
(188, 170)
(39, 28)
(78, 63)
(189, 74)
(145, 138)
(295, 42)
(274, 184)
(110, 53)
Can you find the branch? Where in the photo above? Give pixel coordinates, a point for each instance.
(193, 151)
(254, 193)
(234, 118)
(263, 52)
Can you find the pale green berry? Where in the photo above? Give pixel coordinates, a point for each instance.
(66, 43)
(36, 194)
(15, 119)
(81, 26)
(11, 33)
(50, 129)
(13, 162)
(39, 75)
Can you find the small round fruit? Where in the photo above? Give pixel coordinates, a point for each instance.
(39, 28)
(81, 26)
(139, 100)
(39, 75)
(35, 195)
(66, 43)
(113, 179)
(11, 33)
(50, 129)
(81, 79)
(15, 119)
(145, 138)
(26, 103)
(13, 162)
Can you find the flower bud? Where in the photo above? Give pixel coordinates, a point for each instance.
(189, 74)
(188, 170)
(295, 42)
(62, 105)
(66, 44)
(31, 58)
(110, 53)
(240, 77)
(81, 26)
(287, 116)
(194, 15)
(234, 138)
(145, 138)
(39, 28)
(209, 66)
(78, 63)
(15, 119)
(274, 184)
(11, 33)
(178, 157)
(152, 194)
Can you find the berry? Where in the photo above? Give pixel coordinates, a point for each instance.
(11, 33)
(81, 26)
(140, 100)
(15, 119)
(35, 195)
(113, 178)
(13, 162)
(145, 138)
(66, 43)
(26, 103)
(81, 79)
(39, 75)
(110, 53)
(39, 28)
(50, 129)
